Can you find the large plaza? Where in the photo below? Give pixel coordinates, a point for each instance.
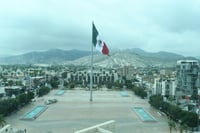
(74, 111)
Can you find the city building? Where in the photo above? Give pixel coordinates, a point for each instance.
(187, 74)
(12, 90)
(100, 76)
(164, 87)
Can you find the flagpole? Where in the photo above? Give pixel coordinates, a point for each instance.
(91, 74)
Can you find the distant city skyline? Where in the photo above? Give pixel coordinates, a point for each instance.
(35, 25)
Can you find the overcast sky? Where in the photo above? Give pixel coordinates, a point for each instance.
(152, 25)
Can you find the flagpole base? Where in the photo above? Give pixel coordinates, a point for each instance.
(90, 100)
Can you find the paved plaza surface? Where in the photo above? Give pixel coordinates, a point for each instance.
(74, 111)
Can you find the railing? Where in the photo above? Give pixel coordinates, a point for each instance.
(106, 127)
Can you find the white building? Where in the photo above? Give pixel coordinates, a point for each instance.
(164, 87)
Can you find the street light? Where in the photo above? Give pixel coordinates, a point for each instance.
(26, 96)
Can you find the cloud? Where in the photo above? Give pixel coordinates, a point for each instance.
(153, 26)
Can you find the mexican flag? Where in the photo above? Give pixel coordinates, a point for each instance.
(97, 41)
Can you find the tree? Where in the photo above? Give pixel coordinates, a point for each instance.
(171, 125)
(43, 90)
(156, 101)
(65, 84)
(174, 112)
(170, 99)
(165, 107)
(18, 83)
(64, 75)
(109, 85)
(190, 119)
(118, 84)
(71, 85)
(140, 91)
(2, 120)
(129, 84)
(30, 96)
(22, 98)
(10, 83)
(143, 94)
(54, 82)
(194, 97)
(183, 127)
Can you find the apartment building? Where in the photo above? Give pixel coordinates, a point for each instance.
(187, 74)
(99, 76)
(164, 87)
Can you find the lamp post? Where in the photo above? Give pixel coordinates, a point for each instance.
(26, 96)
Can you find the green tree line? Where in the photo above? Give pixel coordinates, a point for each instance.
(7, 106)
(139, 91)
(43, 90)
(174, 112)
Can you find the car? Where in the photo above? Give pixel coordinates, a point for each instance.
(50, 101)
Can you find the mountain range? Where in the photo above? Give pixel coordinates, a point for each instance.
(128, 57)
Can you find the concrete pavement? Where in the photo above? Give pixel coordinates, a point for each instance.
(74, 111)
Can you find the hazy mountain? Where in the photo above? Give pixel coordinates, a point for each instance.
(159, 55)
(49, 57)
(129, 57)
(124, 58)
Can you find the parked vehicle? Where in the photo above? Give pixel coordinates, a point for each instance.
(50, 101)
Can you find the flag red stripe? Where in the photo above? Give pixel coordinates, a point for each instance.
(105, 49)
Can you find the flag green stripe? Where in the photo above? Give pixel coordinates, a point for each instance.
(94, 34)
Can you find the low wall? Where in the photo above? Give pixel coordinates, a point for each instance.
(9, 129)
(106, 127)
(6, 129)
